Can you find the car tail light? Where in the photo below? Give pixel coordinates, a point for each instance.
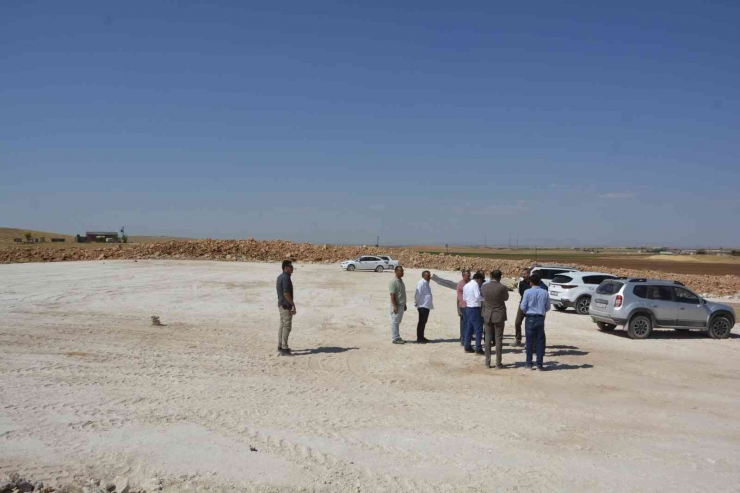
(618, 301)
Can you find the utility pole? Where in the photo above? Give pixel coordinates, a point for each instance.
(485, 240)
(377, 242)
(517, 241)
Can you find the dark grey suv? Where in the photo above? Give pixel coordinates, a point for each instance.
(641, 305)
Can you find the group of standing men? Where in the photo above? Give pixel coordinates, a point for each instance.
(481, 307)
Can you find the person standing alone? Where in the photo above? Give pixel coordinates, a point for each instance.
(473, 318)
(535, 304)
(398, 304)
(424, 304)
(461, 305)
(286, 306)
(494, 295)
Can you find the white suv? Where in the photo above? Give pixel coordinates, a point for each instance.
(548, 272)
(575, 289)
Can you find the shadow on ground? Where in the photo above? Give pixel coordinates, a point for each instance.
(439, 341)
(553, 366)
(322, 350)
(663, 334)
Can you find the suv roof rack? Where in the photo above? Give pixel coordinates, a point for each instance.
(679, 283)
(637, 279)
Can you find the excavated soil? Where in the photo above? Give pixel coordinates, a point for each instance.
(273, 251)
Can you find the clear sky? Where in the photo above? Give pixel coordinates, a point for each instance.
(562, 123)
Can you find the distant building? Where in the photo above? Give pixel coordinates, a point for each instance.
(102, 236)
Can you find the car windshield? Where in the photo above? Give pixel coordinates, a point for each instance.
(561, 279)
(609, 287)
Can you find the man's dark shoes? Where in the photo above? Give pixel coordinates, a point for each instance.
(480, 352)
(540, 368)
(423, 340)
(469, 350)
(528, 366)
(285, 352)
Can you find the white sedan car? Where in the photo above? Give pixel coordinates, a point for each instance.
(365, 263)
(392, 263)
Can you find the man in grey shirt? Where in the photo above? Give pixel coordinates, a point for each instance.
(286, 306)
(398, 304)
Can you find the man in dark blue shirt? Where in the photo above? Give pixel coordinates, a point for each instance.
(286, 306)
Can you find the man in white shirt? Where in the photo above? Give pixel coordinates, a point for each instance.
(424, 304)
(473, 316)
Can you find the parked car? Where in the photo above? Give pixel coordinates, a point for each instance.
(641, 305)
(390, 263)
(575, 290)
(365, 263)
(548, 272)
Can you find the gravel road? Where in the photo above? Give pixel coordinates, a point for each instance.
(90, 387)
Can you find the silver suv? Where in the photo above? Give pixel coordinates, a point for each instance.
(575, 290)
(640, 305)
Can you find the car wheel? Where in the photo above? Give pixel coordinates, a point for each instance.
(640, 327)
(720, 327)
(582, 305)
(559, 308)
(379, 268)
(605, 326)
(350, 268)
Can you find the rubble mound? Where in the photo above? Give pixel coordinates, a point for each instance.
(276, 250)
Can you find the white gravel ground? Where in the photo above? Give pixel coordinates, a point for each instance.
(88, 386)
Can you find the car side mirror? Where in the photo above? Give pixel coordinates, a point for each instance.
(703, 301)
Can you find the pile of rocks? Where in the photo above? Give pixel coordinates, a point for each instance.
(15, 483)
(276, 250)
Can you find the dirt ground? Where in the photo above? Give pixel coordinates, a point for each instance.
(711, 265)
(204, 403)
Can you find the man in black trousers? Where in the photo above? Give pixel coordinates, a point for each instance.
(424, 304)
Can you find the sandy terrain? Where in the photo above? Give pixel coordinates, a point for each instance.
(89, 387)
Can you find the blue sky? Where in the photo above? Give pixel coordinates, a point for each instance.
(566, 123)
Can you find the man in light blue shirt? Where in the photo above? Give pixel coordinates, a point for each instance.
(535, 304)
